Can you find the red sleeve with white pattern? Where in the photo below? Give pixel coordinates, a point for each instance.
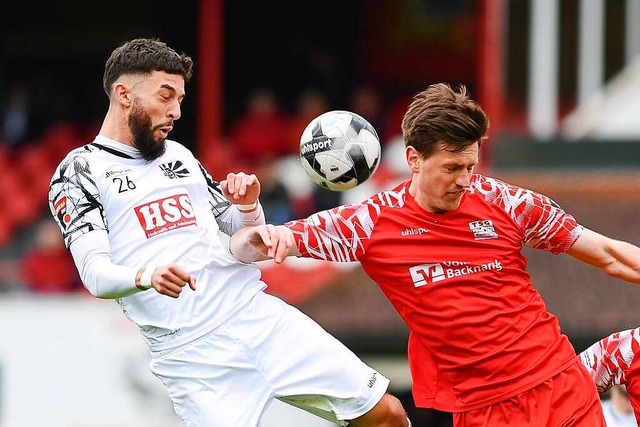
(340, 234)
(545, 225)
(609, 360)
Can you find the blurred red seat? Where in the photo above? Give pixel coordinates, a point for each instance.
(18, 200)
(35, 160)
(61, 138)
(6, 229)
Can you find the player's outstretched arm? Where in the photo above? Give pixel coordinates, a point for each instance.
(263, 242)
(107, 280)
(617, 258)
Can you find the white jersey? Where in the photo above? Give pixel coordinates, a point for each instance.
(165, 211)
(615, 418)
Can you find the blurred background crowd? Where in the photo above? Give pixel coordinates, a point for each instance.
(559, 79)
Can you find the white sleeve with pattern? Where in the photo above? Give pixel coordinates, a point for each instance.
(229, 218)
(100, 276)
(234, 219)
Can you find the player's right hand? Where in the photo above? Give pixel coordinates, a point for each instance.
(240, 188)
(170, 279)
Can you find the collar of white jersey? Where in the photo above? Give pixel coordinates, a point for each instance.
(126, 150)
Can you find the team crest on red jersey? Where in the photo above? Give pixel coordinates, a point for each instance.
(162, 215)
(483, 229)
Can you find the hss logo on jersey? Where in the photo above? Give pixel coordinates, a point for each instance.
(165, 214)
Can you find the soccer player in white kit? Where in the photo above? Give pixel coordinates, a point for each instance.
(148, 227)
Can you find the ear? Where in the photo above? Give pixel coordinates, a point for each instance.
(122, 94)
(413, 159)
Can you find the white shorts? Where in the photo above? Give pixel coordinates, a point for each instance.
(268, 350)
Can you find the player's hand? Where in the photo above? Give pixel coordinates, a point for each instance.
(170, 279)
(240, 188)
(262, 242)
(271, 241)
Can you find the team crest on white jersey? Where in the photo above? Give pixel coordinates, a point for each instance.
(174, 169)
(60, 207)
(483, 229)
(170, 213)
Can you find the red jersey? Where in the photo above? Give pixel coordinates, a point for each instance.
(479, 331)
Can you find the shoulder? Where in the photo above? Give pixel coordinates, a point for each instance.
(491, 188)
(78, 156)
(394, 197)
(76, 169)
(487, 183)
(177, 148)
(84, 151)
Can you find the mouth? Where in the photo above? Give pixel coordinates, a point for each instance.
(165, 130)
(456, 194)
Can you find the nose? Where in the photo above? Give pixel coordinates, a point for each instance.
(174, 111)
(464, 178)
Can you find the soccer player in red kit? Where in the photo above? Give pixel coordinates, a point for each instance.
(612, 361)
(445, 247)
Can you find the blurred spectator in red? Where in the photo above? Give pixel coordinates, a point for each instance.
(310, 104)
(261, 131)
(47, 266)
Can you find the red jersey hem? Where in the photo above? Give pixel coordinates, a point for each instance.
(429, 402)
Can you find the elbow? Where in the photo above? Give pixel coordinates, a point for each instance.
(93, 290)
(99, 292)
(103, 296)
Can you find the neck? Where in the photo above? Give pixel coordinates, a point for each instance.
(115, 127)
(413, 191)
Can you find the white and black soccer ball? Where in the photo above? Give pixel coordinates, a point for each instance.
(339, 150)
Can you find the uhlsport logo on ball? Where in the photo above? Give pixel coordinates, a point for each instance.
(339, 150)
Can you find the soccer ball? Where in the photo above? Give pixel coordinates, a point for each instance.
(339, 150)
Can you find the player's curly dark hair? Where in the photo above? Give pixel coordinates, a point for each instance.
(142, 56)
(440, 114)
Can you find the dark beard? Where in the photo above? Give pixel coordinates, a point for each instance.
(140, 126)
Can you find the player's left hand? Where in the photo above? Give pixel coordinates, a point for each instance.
(240, 188)
(272, 241)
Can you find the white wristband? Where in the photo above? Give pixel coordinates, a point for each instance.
(145, 278)
(248, 208)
